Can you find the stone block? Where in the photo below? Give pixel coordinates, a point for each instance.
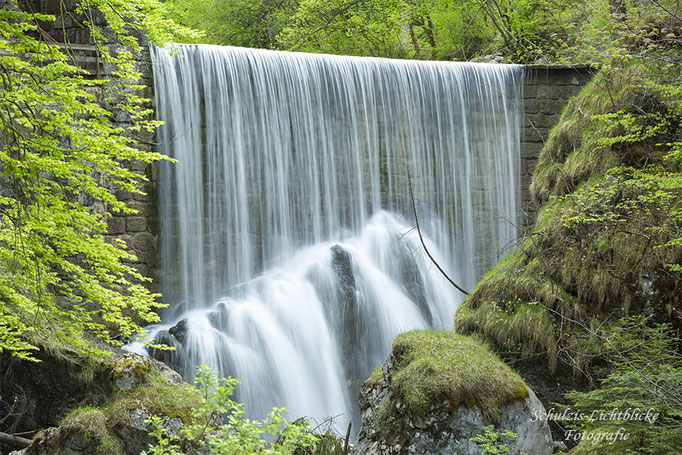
(530, 106)
(525, 181)
(136, 224)
(141, 197)
(528, 166)
(123, 195)
(143, 208)
(144, 242)
(116, 225)
(534, 135)
(541, 120)
(531, 150)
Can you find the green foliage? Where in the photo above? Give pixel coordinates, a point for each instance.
(443, 366)
(59, 277)
(367, 27)
(244, 23)
(426, 29)
(490, 441)
(640, 397)
(158, 396)
(221, 427)
(523, 327)
(101, 430)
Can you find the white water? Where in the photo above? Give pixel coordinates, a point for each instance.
(287, 235)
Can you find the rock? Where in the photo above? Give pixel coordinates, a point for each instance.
(348, 312)
(167, 373)
(179, 331)
(170, 358)
(137, 385)
(44, 392)
(88, 434)
(413, 283)
(391, 426)
(129, 370)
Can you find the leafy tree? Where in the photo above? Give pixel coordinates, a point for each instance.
(246, 23)
(350, 27)
(523, 30)
(59, 277)
(491, 443)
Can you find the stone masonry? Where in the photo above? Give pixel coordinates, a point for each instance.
(547, 89)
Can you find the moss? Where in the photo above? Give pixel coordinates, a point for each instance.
(88, 428)
(580, 147)
(436, 366)
(131, 365)
(96, 428)
(158, 396)
(376, 375)
(608, 230)
(84, 351)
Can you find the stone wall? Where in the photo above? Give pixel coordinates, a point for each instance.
(547, 89)
(140, 230)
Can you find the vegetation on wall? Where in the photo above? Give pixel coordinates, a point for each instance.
(433, 367)
(607, 243)
(61, 158)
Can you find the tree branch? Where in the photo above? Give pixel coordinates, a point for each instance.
(421, 238)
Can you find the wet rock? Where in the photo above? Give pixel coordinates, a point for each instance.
(179, 331)
(171, 358)
(347, 309)
(413, 283)
(129, 370)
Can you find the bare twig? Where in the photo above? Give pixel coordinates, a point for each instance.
(421, 238)
(13, 442)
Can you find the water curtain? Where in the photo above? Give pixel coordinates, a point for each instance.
(289, 254)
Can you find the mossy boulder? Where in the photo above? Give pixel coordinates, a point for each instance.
(132, 389)
(437, 390)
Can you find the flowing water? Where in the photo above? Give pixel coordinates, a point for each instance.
(288, 245)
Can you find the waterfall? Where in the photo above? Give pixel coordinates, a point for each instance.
(289, 254)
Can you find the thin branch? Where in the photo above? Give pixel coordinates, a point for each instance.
(421, 238)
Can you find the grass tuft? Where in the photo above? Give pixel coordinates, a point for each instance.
(88, 428)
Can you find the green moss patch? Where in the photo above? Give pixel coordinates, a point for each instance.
(586, 143)
(376, 375)
(158, 396)
(97, 429)
(525, 327)
(88, 428)
(437, 366)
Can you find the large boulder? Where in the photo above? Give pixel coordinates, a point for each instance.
(437, 390)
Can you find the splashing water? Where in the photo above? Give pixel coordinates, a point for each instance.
(289, 255)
